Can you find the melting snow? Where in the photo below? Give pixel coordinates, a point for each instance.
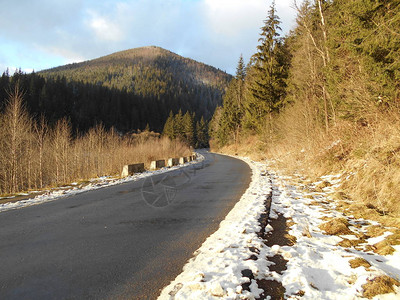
(317, 267)
(95, 183)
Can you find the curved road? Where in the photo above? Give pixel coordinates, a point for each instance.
(112, 243)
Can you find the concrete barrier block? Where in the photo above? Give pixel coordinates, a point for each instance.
(132, 169)
(172, 162)
(182, 160)
(157, 164)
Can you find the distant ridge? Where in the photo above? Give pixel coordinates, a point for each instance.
(157, 81)
(145, 57)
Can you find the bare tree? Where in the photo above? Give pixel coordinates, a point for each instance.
(61, 142)
(41, 132)
(320, 44)
(16, 127)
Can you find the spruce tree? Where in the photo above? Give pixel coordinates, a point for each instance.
(178, 126)
(268, 73)
(188, 128)
(232, 111)
(169, 129)
(202, 134)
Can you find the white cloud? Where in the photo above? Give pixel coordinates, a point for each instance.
(232, 17)
(104, 28)
(67, 55)
(212, 31)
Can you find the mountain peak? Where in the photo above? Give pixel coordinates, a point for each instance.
(162, 79)
(139, 59)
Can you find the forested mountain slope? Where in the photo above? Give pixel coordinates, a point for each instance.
(143, 85)
(126, 90)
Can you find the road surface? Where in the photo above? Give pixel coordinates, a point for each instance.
(119, 242)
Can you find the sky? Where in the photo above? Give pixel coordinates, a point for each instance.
(40, 34)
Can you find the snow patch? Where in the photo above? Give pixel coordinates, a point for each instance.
(95, 183)
(317, 268)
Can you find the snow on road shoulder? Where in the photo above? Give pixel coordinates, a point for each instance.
(321, 266)
(318, 266)
(216, 268)
(95, 183)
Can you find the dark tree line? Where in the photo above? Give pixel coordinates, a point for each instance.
(257, 92)
(86, 104)
(185, 128)
(126, 90)
(340, 63)
(326, 96)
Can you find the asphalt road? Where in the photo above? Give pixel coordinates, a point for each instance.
(121, 242)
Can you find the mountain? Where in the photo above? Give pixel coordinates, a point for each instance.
(135, 87)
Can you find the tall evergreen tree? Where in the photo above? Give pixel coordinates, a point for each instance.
(178, 126)
(188, 128)
(169, 127)
(230, 119)
(202, 134)
(268, 73)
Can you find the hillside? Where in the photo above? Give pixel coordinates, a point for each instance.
(135, 69)
(153, 82)
(126, 90)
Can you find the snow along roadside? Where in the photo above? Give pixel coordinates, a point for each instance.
(215, 269)
(317, 267)
(95, 183)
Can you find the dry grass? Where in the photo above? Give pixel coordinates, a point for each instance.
(367, 156)
(346, 243)
(375, 230)
(34, 155)
(383, 248)
(336, 226)
(379, 285)
(94, 155)
(359, 262)
(394, 239)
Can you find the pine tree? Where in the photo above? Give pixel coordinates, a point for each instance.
(231, 115)
(178, 126)
(169, 128)
(268, 74)
(188, 128)
(239, 96)
(202, 134)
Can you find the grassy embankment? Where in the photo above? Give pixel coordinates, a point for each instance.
(368, 158)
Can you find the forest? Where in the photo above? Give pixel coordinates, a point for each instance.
(86, 120)
(128, 90)
(324, 98)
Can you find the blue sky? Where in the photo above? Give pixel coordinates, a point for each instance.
(40, 34)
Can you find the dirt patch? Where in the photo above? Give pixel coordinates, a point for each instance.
(271, 288)
(379, 285)
(337, 226)
(279, 264)
(279, 236)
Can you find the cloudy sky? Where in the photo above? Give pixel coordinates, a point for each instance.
(39, 34)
